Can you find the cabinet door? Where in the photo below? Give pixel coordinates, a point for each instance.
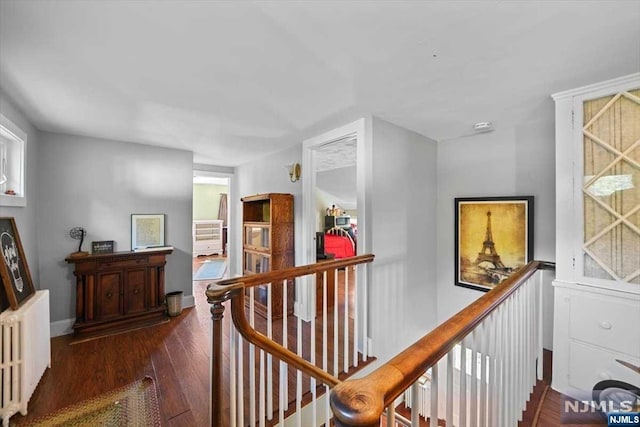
(256, 236)
(135, 301)
(255, 262)
(609, 189)
(108, 298)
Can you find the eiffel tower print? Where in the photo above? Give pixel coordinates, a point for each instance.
(488, 252)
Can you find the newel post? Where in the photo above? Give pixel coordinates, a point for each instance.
(217, 311)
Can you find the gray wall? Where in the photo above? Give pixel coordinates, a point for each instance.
(26, 216)
(267, 175)
(514, 160)
(403, 196)
(98, 184)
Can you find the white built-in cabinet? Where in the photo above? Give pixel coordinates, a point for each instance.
(597, 286)
(207, 237)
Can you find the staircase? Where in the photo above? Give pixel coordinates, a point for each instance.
(477, 368)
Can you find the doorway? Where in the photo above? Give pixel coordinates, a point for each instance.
(210, 226)
(315, 151)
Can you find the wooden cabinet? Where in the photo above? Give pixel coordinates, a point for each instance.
(597, 286)
(268, 244)
(119, 291)
(207, 237)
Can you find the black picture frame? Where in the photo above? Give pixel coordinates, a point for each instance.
(14, 270)
(102, 247)
(485, 227)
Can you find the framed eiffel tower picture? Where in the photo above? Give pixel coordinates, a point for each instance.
(493, 239)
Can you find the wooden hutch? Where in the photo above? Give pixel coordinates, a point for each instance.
(119, 291)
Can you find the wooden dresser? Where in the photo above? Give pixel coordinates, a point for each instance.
(119, 291)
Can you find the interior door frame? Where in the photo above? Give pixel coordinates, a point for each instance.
(204, 170)
(361, 131)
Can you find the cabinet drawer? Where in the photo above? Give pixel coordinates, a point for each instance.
(606, 322)
(589, 365)
(105, 265)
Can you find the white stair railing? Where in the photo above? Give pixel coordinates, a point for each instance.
(476, 369)
(273, 387)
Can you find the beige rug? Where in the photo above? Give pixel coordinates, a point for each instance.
(135, 404)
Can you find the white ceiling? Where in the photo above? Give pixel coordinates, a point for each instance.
(234, 80)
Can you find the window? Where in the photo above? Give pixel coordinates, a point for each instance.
(13, 143)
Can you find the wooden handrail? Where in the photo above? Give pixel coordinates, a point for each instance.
(272, 347)
(252, 280)
(360, 402)
(233, 290)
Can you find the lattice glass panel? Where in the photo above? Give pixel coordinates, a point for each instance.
(599, 218)
(611, 187)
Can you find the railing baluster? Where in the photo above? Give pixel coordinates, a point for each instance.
(285, 334)
(327, 407)
(391, 417)
(336, 325)
(433, 387)
(269, 372)
(282, 397)
(299, 375)
(324, 325)
(449, 385)
(365, 313)
(539, 312)
(498, 401)
(462, 412)
(261, 395)
(415, 406)
(252, 362)
(355, 317)
(345, 344)
(473, 408)
(492, 369)
(484, 353)
(241, 347)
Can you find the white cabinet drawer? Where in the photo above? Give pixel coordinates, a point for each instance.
(589, 365)
(606, 322)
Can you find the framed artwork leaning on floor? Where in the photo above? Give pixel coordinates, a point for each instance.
(14, 271)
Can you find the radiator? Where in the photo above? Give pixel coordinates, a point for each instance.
(26, 353)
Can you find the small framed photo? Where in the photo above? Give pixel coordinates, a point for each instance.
(102, 247)
(14, 271)
(147, 231)
(493, 239)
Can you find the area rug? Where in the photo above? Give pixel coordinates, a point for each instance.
(211, 269)
(134, 405)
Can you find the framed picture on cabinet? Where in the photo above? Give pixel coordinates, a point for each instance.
(102, 247)
(14, 271)
(147, 231)
(493, 239)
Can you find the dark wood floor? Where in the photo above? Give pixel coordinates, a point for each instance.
(175, 355)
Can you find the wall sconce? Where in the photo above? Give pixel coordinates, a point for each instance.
(294, 172)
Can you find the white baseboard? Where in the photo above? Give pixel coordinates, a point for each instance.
(61, 327)
(188, 301)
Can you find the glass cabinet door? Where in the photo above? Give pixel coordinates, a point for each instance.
(257, 236)
(611, 187)
(255, 262)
